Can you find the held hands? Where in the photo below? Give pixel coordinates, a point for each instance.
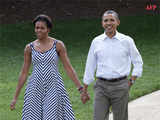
(84, 95)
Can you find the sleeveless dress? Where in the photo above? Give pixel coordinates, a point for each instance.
(45, 96)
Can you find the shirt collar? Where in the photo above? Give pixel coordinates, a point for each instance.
(116, 36)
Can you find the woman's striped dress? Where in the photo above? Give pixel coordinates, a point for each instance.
(45, 96)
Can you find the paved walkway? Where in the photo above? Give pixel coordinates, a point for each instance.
(145, 108)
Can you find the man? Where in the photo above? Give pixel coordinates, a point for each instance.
(111, 55)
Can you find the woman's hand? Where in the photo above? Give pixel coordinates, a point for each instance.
(84, 96)
(13, 103)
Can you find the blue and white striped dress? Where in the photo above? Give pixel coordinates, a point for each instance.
(45, 96)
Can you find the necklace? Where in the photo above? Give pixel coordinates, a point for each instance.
(38, 43)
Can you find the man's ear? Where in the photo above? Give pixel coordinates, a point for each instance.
(102, 24)
(118, 22)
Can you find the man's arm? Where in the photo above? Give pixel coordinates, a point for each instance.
(89, 72)
(91, 64)
(137, 62)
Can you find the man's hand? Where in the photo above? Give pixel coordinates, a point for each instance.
(130, 84)
(84, 96)
(132, 81)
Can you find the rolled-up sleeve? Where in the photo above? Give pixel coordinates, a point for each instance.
(136, 59)
(90, 65)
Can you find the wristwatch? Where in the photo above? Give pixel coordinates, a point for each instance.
(132, 81)
(80, 89)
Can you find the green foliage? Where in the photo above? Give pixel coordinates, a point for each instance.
(77, 36)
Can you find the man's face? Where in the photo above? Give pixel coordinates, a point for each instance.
(110, 23)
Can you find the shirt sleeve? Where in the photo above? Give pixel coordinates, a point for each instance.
(90, 65)
(136, 59)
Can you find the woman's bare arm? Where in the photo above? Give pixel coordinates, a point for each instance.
(23, 75)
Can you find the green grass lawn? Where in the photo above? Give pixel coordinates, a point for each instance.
(77, 36)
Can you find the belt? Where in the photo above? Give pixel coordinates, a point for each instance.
(112, 80)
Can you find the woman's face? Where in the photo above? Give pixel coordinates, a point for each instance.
(41, 29)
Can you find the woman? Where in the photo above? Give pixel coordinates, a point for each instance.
(45, 96)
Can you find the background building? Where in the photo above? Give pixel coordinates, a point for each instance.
(12, 11)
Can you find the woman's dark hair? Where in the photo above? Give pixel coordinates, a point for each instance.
(43, 18)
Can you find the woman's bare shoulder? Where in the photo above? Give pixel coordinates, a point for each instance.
(60, 43)
(28, 46)
(60, 46)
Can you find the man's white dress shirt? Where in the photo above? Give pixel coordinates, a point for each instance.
(112, 58)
